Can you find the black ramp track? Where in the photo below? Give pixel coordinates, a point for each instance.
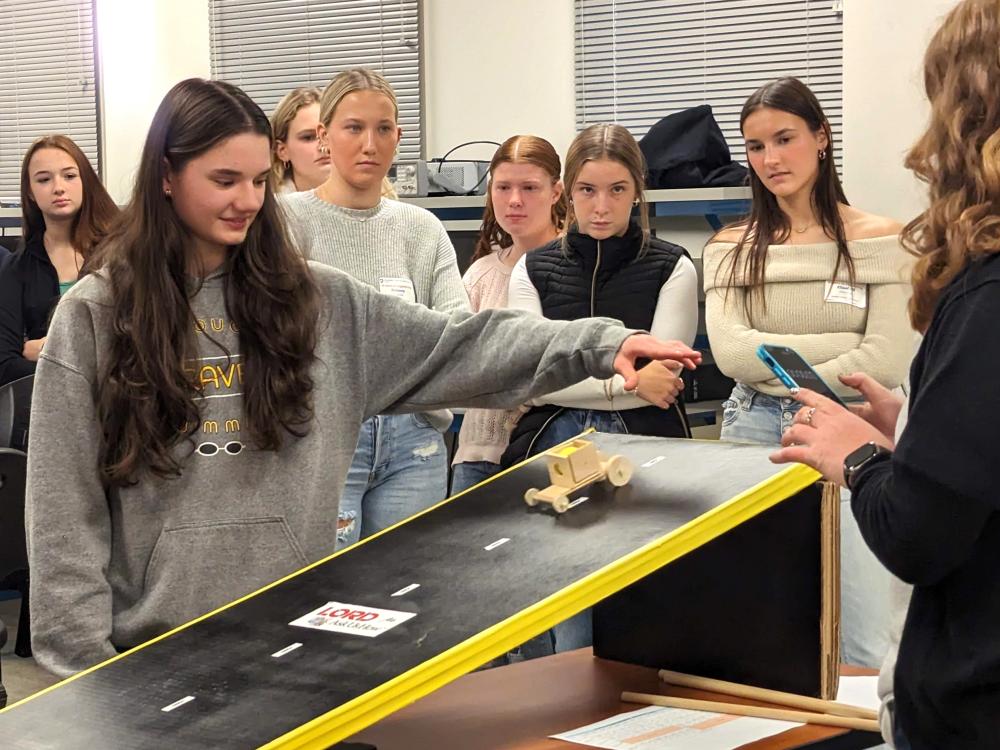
(475, 598)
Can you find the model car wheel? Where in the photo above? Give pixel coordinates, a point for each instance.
(619, 471)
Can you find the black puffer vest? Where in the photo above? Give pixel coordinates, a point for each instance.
(606, 278)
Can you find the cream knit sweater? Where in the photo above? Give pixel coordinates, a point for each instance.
(486, 432)
(833, 337)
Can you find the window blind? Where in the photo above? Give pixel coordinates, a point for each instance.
(49, 81)
(640, 60)
(269, 47)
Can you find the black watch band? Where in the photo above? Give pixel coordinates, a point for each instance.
(857, 459)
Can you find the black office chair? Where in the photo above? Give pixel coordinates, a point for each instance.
(13, 550)
(15, 409)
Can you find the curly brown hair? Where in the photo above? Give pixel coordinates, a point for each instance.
(146, 399)
(959, 154)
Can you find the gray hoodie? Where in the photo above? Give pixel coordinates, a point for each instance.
(111, 569)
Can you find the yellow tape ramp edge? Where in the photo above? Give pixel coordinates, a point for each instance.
(354, 716)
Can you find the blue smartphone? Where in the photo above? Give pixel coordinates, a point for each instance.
(794, 371)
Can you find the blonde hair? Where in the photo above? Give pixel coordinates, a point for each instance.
(612, 142)
(347, 82)
(958, 155)
(281, 120)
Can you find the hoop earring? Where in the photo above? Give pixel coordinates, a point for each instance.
(635, 202)
(287, 165)
(822, 155)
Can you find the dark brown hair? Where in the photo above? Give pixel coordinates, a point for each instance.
(612, 142)
(519, 149)
(97, 212)
(146, 398)
(958, 156)
(767, 224)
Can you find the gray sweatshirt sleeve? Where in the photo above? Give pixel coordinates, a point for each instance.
(415, 359)
(66, 510)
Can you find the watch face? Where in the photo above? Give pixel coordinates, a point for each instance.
(860, 455)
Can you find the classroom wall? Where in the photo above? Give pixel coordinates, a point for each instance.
(490, 73)
(144, 48)
(884, 113)
(495, 69)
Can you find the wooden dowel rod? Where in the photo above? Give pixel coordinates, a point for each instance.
(764, 695)
(802, 717)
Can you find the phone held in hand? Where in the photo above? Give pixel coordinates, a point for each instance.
(789, 367)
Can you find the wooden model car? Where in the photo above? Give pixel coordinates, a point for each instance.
(573, 465)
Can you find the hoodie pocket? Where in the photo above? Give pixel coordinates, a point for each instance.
(197, 567)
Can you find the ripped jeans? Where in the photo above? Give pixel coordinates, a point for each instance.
(400, 468)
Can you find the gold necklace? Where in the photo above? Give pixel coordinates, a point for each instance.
(804, 229)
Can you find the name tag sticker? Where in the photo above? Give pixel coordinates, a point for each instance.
(352, 619)
(846, 294)
(397, 287)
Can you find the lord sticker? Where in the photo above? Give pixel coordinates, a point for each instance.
(352, 619)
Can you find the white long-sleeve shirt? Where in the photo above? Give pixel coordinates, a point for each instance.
(676, 318)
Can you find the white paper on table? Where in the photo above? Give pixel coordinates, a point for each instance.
(660, 728)
(859, 691)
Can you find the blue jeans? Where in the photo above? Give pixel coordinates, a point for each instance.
(749, 416)
(470, 473)
(400, 468)
(578, 630)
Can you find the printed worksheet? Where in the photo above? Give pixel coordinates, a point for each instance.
(659, 728)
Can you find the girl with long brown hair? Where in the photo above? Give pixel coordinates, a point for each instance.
(607, 264)
(199, 399)
(808, 271)
(401, 464)
(525, 209)
(66, 212)
(928, 504)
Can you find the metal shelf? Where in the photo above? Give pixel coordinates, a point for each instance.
(459, 212)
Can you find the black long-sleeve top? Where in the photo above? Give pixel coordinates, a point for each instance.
(931, 513)
(29, 289)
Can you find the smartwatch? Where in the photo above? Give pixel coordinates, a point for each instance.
(861, 457)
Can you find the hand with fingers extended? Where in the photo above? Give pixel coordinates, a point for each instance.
(882, 406)
(644, 346)
(823, 434)
(660, 383)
